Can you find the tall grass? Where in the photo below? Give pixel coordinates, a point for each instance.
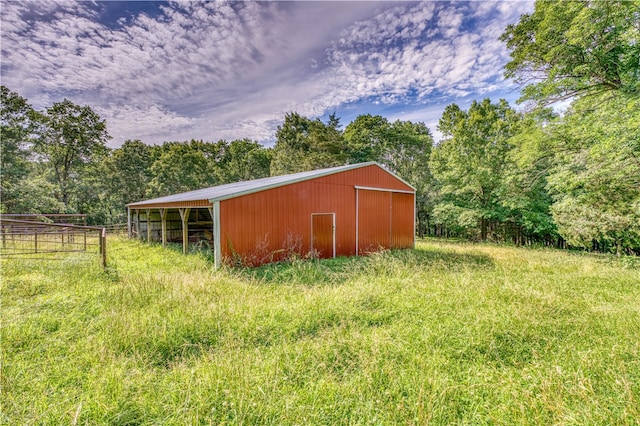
(448, 333)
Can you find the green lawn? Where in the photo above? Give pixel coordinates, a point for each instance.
(449, 333)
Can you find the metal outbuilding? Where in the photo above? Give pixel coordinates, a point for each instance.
(340, 211)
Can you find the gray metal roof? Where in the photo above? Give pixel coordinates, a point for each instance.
(231, 190)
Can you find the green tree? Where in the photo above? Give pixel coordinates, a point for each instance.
(91, 197)
(15, 124)
(71, 137)
(588, 51)
(595, 174)
(129, 171)
(366, 138)
(244, 160)
(403, 147)
(183, 167)
(122, 177)
(469, 164)
(303, 144)
(21, 190)
(524, 192)
(565, 49)
(407, 150)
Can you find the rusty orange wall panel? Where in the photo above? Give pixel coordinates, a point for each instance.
(402, 224)
(372, 176)
(266, 225)
(374, 220)
(279, 220)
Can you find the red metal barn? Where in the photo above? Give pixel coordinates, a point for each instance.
(340, 211)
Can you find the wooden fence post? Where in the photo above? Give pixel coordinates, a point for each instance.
(103, 239)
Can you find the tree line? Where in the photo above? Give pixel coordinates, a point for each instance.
(498, 174)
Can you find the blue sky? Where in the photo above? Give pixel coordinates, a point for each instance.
(173, 71)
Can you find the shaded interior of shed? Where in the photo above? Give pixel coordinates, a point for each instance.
(196, 223)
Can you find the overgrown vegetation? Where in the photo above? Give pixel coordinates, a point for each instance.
(447, 333)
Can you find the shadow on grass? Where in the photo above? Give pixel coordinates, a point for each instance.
(383, 263)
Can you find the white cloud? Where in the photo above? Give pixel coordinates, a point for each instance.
(430, 61)
(130, 122)
(232, 70)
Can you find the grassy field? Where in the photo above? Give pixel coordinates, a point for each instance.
(449, 333)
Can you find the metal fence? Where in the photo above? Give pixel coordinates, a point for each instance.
(73, 219)
(31, 238)
(117, 229)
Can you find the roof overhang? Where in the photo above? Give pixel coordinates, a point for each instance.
(169, 205)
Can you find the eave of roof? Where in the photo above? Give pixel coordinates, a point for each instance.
(237, 189)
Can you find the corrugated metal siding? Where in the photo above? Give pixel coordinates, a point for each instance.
(402, 223)
(371, 176)
(278, 221)
(272, 224)
(374, 220)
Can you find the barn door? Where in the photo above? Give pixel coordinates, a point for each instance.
(323, 235)
(374, 220)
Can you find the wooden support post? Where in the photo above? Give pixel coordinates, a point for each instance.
(357, 207)
(213, 228)
(148, 225)
(163, 218)
(138, 223)
(217, 248)
(128, 222)
(184, 215)
(35, 239)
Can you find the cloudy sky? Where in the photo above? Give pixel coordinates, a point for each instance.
(161, 71)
